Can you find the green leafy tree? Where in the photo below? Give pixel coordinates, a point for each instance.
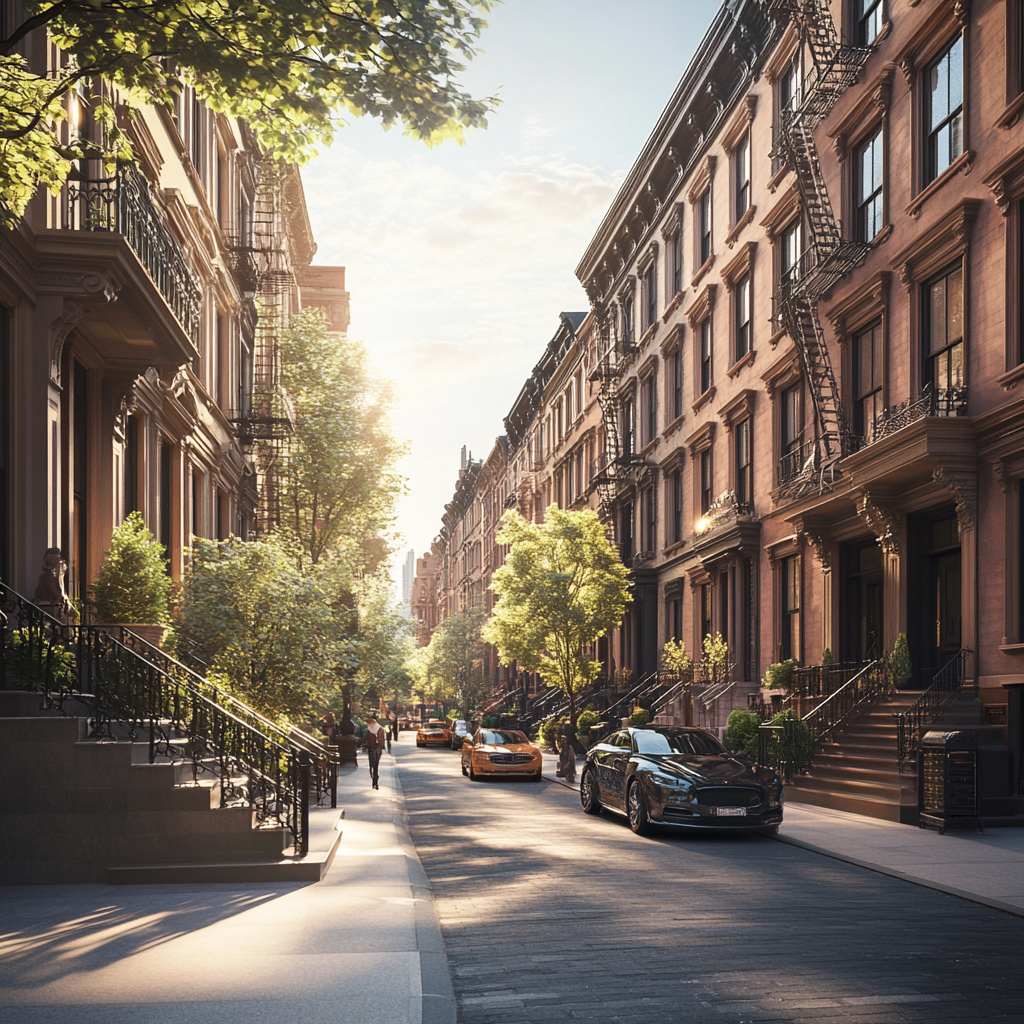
(451, 667)
(678, 666)
(341, 483)
(293, 69)
(561, 588)
(281, 638)
(386, 642)
(716, 657)
(132, 585)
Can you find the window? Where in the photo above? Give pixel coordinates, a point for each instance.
(944, 330)
(744, 314)
(650, 295)
(580, 459)
(580, 400)
(649, 525)
(741, 177)
(790, 606)
(706, 353)
(704, 226)
(705, 609)
(869, 186)
(869, 21)
(627, 322)
(626, 532)
(790, 251)
(674, 615)
(131, 465)
(676, 520)
(650, 410)
(707, 480)
(676, 251)
(744, 463)
(628, 426)
(944, 109)
(677, 383)
(789, 95)
(867, 380)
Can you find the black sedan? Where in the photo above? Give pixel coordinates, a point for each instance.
(680, 777)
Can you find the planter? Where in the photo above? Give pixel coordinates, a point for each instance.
(902, 682)
(153, 634)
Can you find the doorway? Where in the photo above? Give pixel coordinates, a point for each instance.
(862, 621)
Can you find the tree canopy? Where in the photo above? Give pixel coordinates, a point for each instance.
(561, 588)
(293, 69)
(450, 669)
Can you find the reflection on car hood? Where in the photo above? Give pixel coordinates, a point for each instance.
(718, 768)
(506, 748)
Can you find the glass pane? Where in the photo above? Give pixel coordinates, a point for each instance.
(955, 306)
(955, 71)
(863, 364)
(938, 93)
(876, 356)
(937, 316)
(956, 366)
(956, 137)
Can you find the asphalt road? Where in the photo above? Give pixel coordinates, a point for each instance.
(551, 915)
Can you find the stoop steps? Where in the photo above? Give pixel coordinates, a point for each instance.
(76, 810)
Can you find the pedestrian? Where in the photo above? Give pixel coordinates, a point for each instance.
(394, 728)
(566, 755)
(374, 748)
(387, 733)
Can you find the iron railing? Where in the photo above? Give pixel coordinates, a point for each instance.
(931, 402)
(946, 685)
(86, 671)
(124, 205)
(787, 746)
(838, 707)
(708, 701)
(822, 680)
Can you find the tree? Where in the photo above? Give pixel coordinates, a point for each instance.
(280, 639)
(292, 69)
(561, 588)
(451, 670)
(341, 481)
(386, 642)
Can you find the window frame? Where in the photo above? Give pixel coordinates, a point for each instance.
(928, 356)
(859, 398)
(742, 174)
(875, 139)
(743, 316)
(704, 227)
(930, 170)
(706, 480)
(865, 10)
(706, 355)
(743, 461)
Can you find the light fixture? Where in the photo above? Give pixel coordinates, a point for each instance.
(703, 524)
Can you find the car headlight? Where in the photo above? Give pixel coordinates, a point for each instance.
(667, 781)
(775, 797)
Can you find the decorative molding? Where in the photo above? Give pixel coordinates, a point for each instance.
(740, 264)
(60, 328)
(965, 495)
(16, 260)
(1006, 182)
(702, 179)
(780, 215)
(933, 33)
(701, 439)
(881, 520)
(737, 228)
(738, 409)
(962, 164)
(783, 372)
(740, 123)
(935, 247)
(103, 286)
(702, 306)
(863, 304)
(862, 117)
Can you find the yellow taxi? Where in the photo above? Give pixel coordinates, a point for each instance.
(433, 733)
(500, 752)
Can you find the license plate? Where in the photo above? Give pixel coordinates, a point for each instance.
(731, 812)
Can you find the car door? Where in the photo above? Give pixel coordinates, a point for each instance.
(611, 769)
(467, 749)
(618, 764)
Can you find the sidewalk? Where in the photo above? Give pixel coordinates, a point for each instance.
(360, 947)
(983, 867)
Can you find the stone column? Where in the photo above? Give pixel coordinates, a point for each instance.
(964, 489)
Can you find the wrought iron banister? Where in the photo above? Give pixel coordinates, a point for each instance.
(946, 684)
(837, 708)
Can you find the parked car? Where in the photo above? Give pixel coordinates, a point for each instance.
(433, 733)
(680, 777)
(501, 752)
(460, 733)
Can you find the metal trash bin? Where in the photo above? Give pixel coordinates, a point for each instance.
(948, 781)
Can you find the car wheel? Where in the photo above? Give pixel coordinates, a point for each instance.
(771, 830)
(589, 799)
(537, 777)
(464, 772)
(636, 804)
(472, 774)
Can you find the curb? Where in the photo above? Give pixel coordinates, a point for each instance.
(903, 876)
(436, 991)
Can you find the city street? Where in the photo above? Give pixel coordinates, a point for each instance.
(549, 914)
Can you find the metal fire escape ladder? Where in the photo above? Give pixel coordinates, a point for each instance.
(607, 376)
(827, 257)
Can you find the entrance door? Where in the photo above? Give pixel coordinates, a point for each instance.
(946, 603)
(863, 611)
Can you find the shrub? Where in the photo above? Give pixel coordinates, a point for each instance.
(35, 663)
(584, 723)
(780, 675)
(640, 718)
(546, 733)
(741, 732)
(796, 743)
(900, 663)
(489, 722)
(716, 657)
(827, 657)
(133, 585)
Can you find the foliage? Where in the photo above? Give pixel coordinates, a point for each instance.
(584, 723)
(562, 587)
(741, 732)
(899, 663)
(489, 722)
(36, 663)
(640, 718)
(674, 658)
(827, 657)
(292, 70)
(342, 485)
(795, 744)
(450, 669)
(716, 657)
(779, 676)
(386, 642)
(546, 732)
(281, 637)
(133, 585)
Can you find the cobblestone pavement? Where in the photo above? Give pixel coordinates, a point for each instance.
(551, 915)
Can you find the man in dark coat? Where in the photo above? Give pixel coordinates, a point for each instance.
(374, 748)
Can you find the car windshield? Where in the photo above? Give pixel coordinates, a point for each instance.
(504, 736)
(676, 741)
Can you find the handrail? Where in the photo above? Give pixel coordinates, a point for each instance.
(836, 709)
(945, 685)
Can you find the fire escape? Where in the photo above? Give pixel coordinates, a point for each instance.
(827, 257)
(266, 420)
(607, 374)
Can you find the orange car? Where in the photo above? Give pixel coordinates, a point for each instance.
(500, 752)
(433, 733)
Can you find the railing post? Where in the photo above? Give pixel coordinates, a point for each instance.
(302, 842)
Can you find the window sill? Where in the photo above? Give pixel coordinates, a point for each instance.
(672, 427)
(778, 178)
(649, 332)
(962, 164)
(882, 237)
(747, 359)
(673, 306)
(1011, 113)
(777, 337)
(1012, 648)
(1010, 380)
(673, 548)
(704, 399)
(708, 263)
(737, 228)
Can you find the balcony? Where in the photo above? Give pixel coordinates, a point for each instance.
(931, 402)
(123, 205)
(729, 525)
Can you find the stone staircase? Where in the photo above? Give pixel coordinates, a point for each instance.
(75, 810)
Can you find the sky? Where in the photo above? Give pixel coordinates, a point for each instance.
(459, 259)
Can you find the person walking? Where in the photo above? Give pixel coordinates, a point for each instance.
(374, 748)
(566, 754)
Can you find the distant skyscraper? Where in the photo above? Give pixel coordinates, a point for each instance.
(408, 574)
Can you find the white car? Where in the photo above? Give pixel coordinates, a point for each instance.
(460, 730)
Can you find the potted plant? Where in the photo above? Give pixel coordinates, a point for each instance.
(133, 588)
(900, 667)
(678, 668)
(779, 676)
